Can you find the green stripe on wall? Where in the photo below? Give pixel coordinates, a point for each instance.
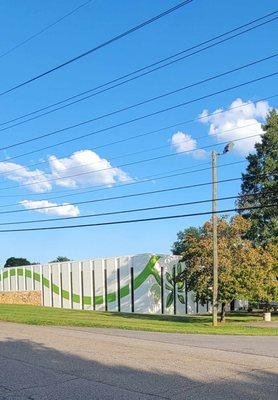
(149, 270)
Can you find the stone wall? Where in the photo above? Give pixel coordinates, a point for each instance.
(32, 297)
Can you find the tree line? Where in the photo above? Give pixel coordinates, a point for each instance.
(20, 261)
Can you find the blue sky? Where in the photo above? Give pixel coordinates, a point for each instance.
(91, 25)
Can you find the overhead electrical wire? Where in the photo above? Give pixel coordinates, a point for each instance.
(147, 179)
(125, 196)
(134, 72)
(134, 119)
(33, 36)
(109, 187)
(125, 165)
(98, 47)
(154, 158)
(173, 91)
(160, 218)
(102, 214)
(138, 135)
(222, 132)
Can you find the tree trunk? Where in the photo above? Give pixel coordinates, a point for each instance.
(223, 312)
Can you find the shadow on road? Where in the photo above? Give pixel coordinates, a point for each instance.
(31, 371)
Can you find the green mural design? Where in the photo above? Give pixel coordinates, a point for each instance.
(149, 270)
(169, 285)
(180, 286)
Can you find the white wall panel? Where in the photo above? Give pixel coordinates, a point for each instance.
(80, 284)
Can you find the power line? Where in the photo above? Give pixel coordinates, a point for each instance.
(125, 196)
(142, 180)
(135, 136)
(145, 179)
(44, 29)
(112, 40)
(137, 220)
(128, 154)
(135, 119)
(134, 72)
(108, 187)
(173, 91)
(129, 210)
(124, 165)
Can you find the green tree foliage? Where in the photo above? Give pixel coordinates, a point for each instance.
(259, 275)
(16, 262)
(262, 176)
(181, 244)
(245, 271)
(60, 259)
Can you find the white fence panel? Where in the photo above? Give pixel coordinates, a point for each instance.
(143, 283)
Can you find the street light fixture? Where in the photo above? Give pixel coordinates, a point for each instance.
(214, 155)
(228, 148)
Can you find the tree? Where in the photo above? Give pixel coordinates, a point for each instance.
(262, 177)
(16, 262)
(259, 275)
(60, 259)
(180, 246)
(245, 271)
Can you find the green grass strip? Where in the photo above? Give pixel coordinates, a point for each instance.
(236, 323)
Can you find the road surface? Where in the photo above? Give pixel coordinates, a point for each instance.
(41, 363)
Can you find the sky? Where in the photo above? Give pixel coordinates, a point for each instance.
(184, 137)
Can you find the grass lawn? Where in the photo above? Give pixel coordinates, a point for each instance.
(236, 324)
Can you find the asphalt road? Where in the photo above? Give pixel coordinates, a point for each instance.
(39, 363)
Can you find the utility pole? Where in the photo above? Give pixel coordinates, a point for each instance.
(214, 241)
(214, 155)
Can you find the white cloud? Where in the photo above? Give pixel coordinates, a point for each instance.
(24, 176)
(182, 142)
(89, 167)
(237, 123)
(63, 210)
(83, 162)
